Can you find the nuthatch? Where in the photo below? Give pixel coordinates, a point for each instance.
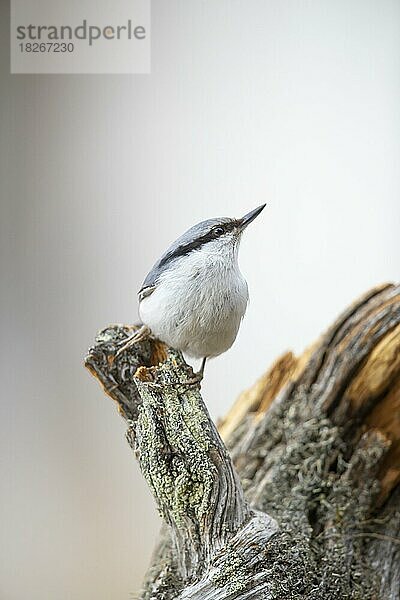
(195, 296)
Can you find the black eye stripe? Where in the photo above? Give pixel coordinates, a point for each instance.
(196, 244)
(183, 250)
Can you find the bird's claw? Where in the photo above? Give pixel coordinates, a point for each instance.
(138, 336)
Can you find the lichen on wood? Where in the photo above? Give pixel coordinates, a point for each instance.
(306, 503)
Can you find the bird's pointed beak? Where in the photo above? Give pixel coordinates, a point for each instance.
(247, 219)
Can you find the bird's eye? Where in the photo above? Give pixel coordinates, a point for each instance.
(218, 230)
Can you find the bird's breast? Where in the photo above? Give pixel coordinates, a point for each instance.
(197, 306)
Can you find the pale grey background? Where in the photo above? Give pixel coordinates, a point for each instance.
(292, 103)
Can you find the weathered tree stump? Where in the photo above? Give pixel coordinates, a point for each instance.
(306, 504)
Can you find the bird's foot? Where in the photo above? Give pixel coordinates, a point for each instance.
(138, 336)
(197, 377)
(195, 380)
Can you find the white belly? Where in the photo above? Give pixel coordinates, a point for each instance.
(198, 307)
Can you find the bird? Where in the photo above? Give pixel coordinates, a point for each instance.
(195, 296)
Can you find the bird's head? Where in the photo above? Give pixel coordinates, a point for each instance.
(227, 230)
(220, 235)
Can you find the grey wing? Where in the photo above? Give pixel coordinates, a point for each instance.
(150, 283)
(146, 291)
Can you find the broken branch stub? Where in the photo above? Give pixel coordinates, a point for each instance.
(180, 452)
(186, 465)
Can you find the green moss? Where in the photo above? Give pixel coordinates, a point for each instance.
(232, 574)
(173, 444)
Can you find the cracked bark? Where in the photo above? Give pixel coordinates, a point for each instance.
(303, 498)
